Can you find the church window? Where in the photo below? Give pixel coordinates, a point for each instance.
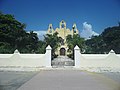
(74, 31)
(62, 25)
(50, 27)
(73, 28)
(62, 21)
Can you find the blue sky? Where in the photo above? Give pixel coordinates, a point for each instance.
(37, 14)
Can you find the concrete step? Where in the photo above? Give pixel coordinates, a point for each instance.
(62, 61)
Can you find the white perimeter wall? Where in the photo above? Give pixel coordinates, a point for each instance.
(26, 60)
(110, 60)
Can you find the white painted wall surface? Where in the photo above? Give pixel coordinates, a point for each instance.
(26, 60)
(110, 60)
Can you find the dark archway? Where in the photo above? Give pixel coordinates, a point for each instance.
(62, 51)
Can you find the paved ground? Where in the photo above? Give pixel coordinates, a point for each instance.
(10, 80)
(69, 80)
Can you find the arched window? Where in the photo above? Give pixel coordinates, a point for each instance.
(62, 25)
(73, 27)
(50, 27)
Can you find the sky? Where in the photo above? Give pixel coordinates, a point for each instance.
(38, 14)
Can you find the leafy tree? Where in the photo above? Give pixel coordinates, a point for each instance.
(32, 42)
(53, 41)
(75, 40)
(13, 36)
(111, 37)
(10, 30)
(95, 45)
(72, 41)
(41, 47)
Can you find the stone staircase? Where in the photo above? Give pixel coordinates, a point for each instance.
(62, 61)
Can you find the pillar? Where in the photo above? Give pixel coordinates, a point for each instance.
(77, 56)
(48, 56)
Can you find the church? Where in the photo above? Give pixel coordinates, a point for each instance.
(63, 31)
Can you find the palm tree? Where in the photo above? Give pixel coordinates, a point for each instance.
(53, 41)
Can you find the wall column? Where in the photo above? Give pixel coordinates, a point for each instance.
(48, 56)
(77, 56)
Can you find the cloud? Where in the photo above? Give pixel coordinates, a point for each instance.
(40, 34)
(87, 31)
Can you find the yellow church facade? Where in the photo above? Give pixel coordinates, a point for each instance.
(63, 32)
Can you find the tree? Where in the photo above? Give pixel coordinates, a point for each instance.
(72, 41)
(41, 47)
(10, 31)
(53, 41)
(95, 45)
(32, 42)
(13, 36)
(111, 37)
(75, 40)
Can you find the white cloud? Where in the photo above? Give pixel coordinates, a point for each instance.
(87, 31)
(40, 34)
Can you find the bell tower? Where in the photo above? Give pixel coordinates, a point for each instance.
(74, 29)
(62, 24)
(50, 29)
